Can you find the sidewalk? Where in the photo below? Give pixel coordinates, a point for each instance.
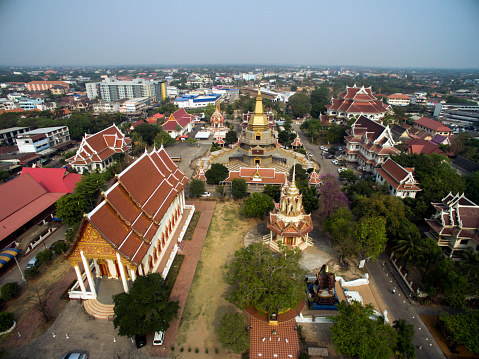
(183, 282)
(30, 324)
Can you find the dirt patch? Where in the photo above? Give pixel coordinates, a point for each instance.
(318, 335)
(429, 320)
(206, 304)
(49, 276)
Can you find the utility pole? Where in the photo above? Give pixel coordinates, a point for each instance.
(20, 269)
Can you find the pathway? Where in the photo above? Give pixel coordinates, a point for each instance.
(183, 282)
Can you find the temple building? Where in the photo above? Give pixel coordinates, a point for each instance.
(288, 223)
(355, 101)
(96, 151)
(136, 228)
(257, 146)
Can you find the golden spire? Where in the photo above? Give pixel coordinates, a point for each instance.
(259, 121)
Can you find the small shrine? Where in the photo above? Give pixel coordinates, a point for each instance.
(297, 142)
(321, 293)
(314, 179)
(200, 174)
(288, 223)
(217, 119)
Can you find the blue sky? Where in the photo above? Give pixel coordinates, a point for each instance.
(386, 33)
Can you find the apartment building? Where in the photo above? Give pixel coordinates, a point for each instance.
(111, 90)
(42, 139)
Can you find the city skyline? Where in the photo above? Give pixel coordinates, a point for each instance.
(427, 34)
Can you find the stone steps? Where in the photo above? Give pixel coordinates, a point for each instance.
(97, 309)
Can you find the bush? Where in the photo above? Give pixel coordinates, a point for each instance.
(9, 290)
(31, 273)
(197, 350)
(232, 333)
(6, 321)
(60, 247)
(44, 256)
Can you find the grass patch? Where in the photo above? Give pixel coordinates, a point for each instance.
(174, 270)
(191, 228)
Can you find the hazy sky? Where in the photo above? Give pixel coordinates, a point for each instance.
(389, 33)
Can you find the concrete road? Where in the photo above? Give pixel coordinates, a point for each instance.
(14, 275)
(399, 307)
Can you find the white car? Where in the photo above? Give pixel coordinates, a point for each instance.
(340, 148)
(310, 154)
(335, 162)
(159, 337)
(323, 148)
(341, 169)
(206, 194)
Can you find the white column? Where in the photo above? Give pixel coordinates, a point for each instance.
(112, 268)
(88, 274)
(140, 270)
(97, 268)
(80, 280)
(122, 273)
(133, 274)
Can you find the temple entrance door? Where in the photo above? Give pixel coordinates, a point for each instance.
(290, 241)
(103, 267)
(257, 162)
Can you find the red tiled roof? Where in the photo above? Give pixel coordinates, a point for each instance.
(397, 176)
(180, 117)
(266, 340)
(158, 115)
(432, 124)
(261, 175)
(418, 146)
(129, 215)
(53, 179)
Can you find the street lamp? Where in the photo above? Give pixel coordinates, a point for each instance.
(20, 269)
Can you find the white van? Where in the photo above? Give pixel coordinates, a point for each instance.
(32, 263)
(158, 339)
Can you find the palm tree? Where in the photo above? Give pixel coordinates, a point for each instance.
(429, 254)
(408, 246)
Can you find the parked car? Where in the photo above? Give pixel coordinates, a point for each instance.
(335, 162)
(206, 194)
(158, 339)
(341, 169)
(323, 148)
(32, 263)
(140, 340)
(75, 355)
(310, 154)
(340, 148)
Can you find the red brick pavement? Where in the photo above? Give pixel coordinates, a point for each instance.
(183, 282)
(32, 321)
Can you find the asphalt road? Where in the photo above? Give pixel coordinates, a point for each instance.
(399, 307)
(13, 274)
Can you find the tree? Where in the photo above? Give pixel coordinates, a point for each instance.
(4, 175)
(369, 237)
(70, 208)
(239, 188)
(60, 247)
(197, 187)
(257, 205)
(221, 190)
(164, 138)
(408, 244)
(145, 309)
(274, 191)
(90, 187)
(300, 104)
(331, 198)
(231, 137)
(264, 280)
(349, 176)
(216, 174)
(209, 109)
(78, 124)
(232, 333)
(147, 132)
(44, 256)
(356, 334)
(462, 328)
(405, 345)
(6, 320)
(340, 226)
(9, 290)
(472, 187)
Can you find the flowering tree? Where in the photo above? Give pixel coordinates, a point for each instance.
(331, 197)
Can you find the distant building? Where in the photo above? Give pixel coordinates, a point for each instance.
(58, 90)
(196, 101)
(44, 85)
(134, 105)
(42, 139)
(463, 166)
(420, 145)
(179, 123)
(455, 225)
(399, 99)
(400, 180)
(355, 101)
(8, 135)
(369, 144)
(111, 90)
(30, 103)
(106, 107)
(96, 151)
(257, 178)
(432, 127)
